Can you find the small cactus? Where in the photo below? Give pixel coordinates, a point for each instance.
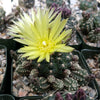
(65, 12)
(62, 72)
(96, 20)
(58, 96)
(86, 24)
(2, 16)
(40, 85)
(80, 95)
(68, 97)
(86, 4)
(94, 35)
(50, 2)
(27, 3)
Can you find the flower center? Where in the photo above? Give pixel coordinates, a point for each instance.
(44, 43)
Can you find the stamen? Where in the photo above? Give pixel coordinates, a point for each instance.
(44, 43)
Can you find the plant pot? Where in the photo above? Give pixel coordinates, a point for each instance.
(79, 41)
(3, 66)
(91, 60)
(11, 45)
(6, 97)
(86, 46)
(91, 84)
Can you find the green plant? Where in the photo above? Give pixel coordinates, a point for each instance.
(86, 4)
(50, 2)
(86, 24)
(90, 26)
(27, 3)
(94, 35)
(96, 20)
(62, 72)
(2, 16)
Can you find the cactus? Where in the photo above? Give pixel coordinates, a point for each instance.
(71, 84)
(85, 5)
(23, 66)
(97, 20)
(58, 96)
(86, 24)
(63, 72)
(27, 3)
(40, 85)
(50, 2)
(80, 95)
(2, 16)
(94, 35)
(65, 12)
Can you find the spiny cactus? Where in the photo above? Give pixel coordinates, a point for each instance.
(86, 24)
(86, 4)
(96, 20)
(50, 2)
(79, 95)
(94, 35)
(65, 12)
(23, 66)
(40, 85)
(2, 16)
(27, 3)
(63, 72)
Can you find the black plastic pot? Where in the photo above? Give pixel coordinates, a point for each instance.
(6, 97)
(86, 46)
(81, 62)
(2, 84)
(86, 53)
(77, 47)
(10, 44)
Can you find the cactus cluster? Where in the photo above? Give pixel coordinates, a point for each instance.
(2, 16)
(94, 35)
(27, 3)
(63, 72)
(90, 26)
(86, 24)
(65, 12)
(88, 4)
(79, 95)
(50, 2)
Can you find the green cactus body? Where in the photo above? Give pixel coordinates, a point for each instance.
(59, 62)
(58, 84)
(2, 16)
(26, 3)
(24, 66)
(62, 72)
(97, 21)
(70, 84)
(80, 76)
(86, 25)
(40, 85)
(50, 2)
(93, 36)
(85, 5)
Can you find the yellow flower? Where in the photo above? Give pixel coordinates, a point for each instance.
(42, 34)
